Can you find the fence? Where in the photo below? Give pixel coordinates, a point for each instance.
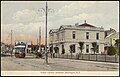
(90, 57)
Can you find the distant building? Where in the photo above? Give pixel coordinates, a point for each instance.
(33, 47)
(68, 35)
(4, 47)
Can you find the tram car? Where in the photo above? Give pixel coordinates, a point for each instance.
(20, 49)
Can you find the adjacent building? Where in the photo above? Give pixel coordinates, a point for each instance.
(111, 36)
(68, 35)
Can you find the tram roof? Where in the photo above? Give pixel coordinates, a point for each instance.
(20, 46)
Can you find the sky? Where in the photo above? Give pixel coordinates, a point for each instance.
(25, 17)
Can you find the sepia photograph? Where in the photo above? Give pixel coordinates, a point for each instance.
(60, 38)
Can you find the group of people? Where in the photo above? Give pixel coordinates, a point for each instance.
(38, 54)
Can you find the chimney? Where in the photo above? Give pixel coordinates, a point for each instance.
(110, 29)
(76, 24)
(85, 21)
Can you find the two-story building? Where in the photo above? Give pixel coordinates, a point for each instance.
(68, 35)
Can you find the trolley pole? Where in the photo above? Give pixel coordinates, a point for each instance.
(46, 10)
(46, 35)
(40, 39)
(11, 44)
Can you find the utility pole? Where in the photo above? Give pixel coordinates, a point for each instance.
(40, 39)
(37, 44)
(46, 10)
(46, 35)
(11, 43)
(37, 41)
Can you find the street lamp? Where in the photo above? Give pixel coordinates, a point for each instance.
(46, 10)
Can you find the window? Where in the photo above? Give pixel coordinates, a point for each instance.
(63, 50)
(63, 35)
(97, 48)
(51, 37)
(97, 36)
(62, 46)
(73, 48)
(73, 34)
(87, 48)
(57, 36)
(87, 35)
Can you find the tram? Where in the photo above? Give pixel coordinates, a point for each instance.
(20, 49)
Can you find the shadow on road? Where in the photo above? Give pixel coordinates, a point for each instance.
(31, 57)
(5, 55)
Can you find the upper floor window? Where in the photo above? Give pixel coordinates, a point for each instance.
(52, 37)
(61, 36)
(87, 35)
(73, 34)
(57, 36)
(97, 36)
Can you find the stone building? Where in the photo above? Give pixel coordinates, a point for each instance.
(68, 35)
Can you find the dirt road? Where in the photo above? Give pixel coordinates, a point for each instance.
(55, 64)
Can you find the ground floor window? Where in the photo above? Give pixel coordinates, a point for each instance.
(63, 50)
(73, 48)
(56, 49)
(97, 49)
(87, 48)
(62, 46)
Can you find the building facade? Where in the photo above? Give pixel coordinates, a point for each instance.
(68, 35)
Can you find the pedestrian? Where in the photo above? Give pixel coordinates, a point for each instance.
(11, 52)
(35, 54)
(51, 55)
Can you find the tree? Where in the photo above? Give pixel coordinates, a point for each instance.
(95, 47)
(117, 43)
(117, 50)
(81, 44)
(111, 50)
(71, 50)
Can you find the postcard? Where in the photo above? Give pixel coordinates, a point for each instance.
(60, 38)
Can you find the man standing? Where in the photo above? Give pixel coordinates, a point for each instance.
(11, 50)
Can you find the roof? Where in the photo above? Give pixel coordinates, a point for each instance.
(20, 46)
(86, 24)
(113, 34)
(109, 35)
(107, 32)
(53, 30)
(76, 26)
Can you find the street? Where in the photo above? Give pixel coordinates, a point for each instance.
(55, 64)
